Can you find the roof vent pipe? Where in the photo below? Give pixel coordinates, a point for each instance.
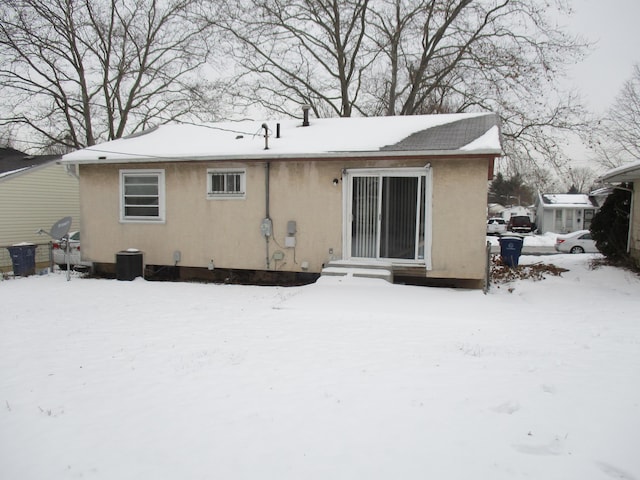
(266, 136)
(277, 130)
(305, 115)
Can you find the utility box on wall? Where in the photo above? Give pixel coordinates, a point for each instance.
(290, 239)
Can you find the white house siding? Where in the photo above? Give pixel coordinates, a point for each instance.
(36, 199)
(544, 218)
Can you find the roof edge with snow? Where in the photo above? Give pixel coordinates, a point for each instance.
(625, 173)
(334, 138)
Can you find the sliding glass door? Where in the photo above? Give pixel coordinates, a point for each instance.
(387, 214)
(365, 225)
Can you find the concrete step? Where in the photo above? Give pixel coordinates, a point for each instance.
(361, 269)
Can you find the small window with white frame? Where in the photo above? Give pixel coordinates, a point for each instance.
(142, 196)
(225, 183)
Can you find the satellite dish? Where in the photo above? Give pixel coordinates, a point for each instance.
(61, 228)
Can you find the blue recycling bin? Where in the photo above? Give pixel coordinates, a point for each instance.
(23, 257)
(510, 249)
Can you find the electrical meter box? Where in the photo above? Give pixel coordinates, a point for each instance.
(266, 227)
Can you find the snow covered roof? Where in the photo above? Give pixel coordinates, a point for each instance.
(448, 134)
(567, 200)
(625, 173)
(13, 161)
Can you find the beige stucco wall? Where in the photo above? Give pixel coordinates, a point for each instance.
(228, 231)
(459, 218)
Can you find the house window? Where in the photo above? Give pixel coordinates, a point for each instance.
(226, 183)
(142, 196)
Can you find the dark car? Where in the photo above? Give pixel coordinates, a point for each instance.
(520, 224)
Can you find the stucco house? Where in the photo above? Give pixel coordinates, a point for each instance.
(260, 200)
(35, 192)
(564, 212)
(629, 173)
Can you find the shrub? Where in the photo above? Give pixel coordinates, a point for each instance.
(610, 226)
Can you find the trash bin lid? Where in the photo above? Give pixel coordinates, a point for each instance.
(511, 238)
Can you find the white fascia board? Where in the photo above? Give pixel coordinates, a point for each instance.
(265, 157)
(625, 173)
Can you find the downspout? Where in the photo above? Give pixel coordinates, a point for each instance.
(267, 218)
(266, 223)
(631, 209)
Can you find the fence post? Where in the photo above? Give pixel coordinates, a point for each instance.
(50, 245)
(487, 273)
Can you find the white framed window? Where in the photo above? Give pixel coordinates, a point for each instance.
(226, 183)
(142, 196)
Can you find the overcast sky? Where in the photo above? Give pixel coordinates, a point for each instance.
(613, 24)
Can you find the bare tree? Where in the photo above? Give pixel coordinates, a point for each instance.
(582, 179)
(77, 72)
(399, 57)
(415, 40)
(505, 56)
(541, 180)
(618, 139)
(294, 52)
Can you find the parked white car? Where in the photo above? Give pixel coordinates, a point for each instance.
(496, 226)
(576, 242)
(59, 251)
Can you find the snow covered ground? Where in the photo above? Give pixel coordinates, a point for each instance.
(544, 243)
(342, 379)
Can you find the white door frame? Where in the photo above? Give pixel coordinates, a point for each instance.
(347, 197)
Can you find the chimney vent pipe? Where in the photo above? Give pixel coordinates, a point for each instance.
(305, 115)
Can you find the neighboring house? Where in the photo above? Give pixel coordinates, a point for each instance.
(629, 174)
(35, 192)
(287, 199)
(494, 210)
(564, 212)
